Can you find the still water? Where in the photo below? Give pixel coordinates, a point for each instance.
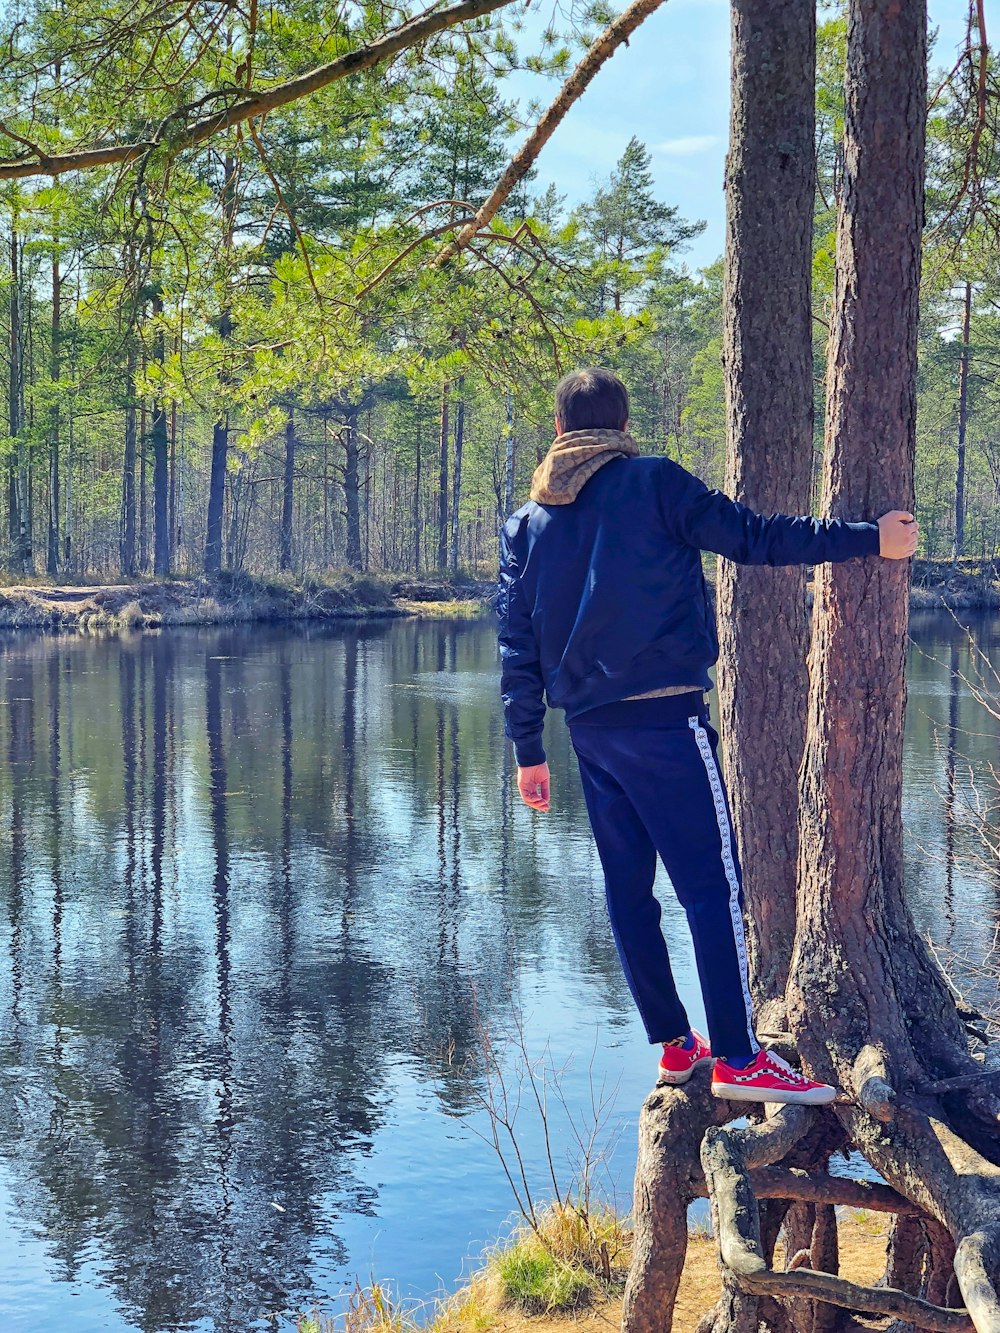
(265, 896)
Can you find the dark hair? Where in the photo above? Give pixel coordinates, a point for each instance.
(592, 399)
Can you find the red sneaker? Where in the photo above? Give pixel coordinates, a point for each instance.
(677, 1065)
(768, 1079)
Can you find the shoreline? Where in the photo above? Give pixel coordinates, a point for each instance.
(938, 585)
(146, 604)
(500, 1297)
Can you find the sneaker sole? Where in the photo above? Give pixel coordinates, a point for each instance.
(729, 1092)
(674, 1079)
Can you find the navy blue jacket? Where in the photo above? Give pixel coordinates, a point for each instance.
(605, 597)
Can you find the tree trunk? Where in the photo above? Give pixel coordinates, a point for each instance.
(868, 1008)
(963, 422)
(216, 496)
(21, 555)
(128, 566)
(14, 413)
(172, 502)
(416, 497)
(352, 499)
(288, 495)
(220, 430)
(456, 490)
(442, 550)
(52, 549)
(508, 497)
(143, 490)
(158, 431)
(770, 191)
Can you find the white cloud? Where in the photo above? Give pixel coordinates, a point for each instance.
(689, 146)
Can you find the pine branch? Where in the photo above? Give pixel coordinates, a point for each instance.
(188, 135)
(572, 90)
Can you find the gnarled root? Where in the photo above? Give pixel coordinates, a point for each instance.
(668, 1177)
(725, 1156)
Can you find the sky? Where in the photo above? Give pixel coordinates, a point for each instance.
(670, 88)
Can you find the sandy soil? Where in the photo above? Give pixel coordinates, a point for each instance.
(862, 1258)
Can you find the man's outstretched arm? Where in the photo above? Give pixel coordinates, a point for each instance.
(712, 521)
(521, 685)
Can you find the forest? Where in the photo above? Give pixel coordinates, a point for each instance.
(289, 342)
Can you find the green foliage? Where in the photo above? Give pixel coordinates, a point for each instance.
(282, 277)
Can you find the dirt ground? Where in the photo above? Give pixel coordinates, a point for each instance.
(862, 1258)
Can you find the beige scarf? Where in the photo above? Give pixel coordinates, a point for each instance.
(572, 461)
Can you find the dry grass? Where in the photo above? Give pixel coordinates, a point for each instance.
(225, 600)
(490, 1302)
(460, 609)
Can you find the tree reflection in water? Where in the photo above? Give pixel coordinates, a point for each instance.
(259, 892)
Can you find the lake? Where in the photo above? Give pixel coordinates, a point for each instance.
(266, 897)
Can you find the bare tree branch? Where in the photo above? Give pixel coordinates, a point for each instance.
(520, 164)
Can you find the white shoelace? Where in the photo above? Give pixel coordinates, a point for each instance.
(784, 1069)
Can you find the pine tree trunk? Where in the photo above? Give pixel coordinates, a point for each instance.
(128, 567)
(21, 554)
(508, 497)
(963, 423)
(143, 491)
(442, 550)
(416, 498)
(216, 496)
(868, 1008)
(158, 431)
(220, 430)
(352, 499)
(456, 490)
(288, 495)
(52, 551)
(14, 413)
(770, 190)
(172, 502)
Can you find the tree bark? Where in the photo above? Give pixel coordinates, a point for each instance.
(352, 499)
(216, 496)
(21, 553)
(511, 459)
(143, 489)
(128, 566)
(763, 628)
(158, 430)
(416, 497)
(55, 364)
(963, 423)
(220, 430)
(287, 495)
(442, 549)
(868, 1008)
(456, 489)
(14, 412)
(668, 1177)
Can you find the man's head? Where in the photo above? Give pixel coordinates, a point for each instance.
(591, 399)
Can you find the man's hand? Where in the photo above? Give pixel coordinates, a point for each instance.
(898, 533)
(533, 784)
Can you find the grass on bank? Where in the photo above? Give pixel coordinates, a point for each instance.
(230, 599)
(531, 1285)
(572, 1259)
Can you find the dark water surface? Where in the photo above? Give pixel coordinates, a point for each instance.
(262, 892)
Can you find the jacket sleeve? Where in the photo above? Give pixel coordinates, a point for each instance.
(711, 521)
(521, 686)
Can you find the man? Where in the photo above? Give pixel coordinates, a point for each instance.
(603, 608)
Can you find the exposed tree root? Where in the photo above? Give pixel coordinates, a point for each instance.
(725, 1157)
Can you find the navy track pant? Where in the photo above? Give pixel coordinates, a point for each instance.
(652, 784)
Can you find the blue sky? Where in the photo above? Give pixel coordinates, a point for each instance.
(670, 88)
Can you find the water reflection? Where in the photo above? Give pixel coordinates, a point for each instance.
(262, 891)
